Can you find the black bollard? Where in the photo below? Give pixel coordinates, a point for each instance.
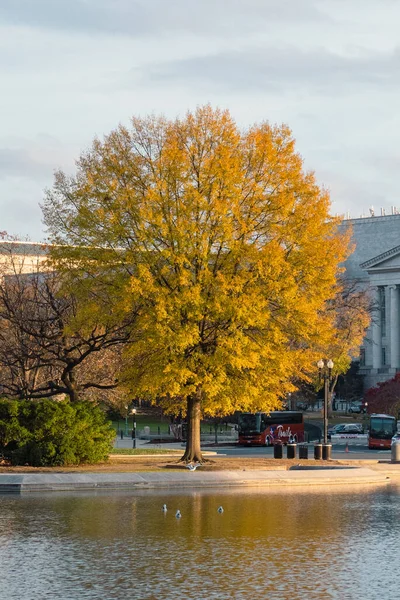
(318, 451)
(278, 451)
(303, 452)
(326, 452)
(291, 450)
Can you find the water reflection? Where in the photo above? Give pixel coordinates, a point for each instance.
(319, 544)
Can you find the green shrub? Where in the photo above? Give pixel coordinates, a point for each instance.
(51, 433)
(12, 433)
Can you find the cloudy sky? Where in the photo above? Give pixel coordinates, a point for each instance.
(71, 70)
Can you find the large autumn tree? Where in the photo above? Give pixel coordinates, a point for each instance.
(224, 241)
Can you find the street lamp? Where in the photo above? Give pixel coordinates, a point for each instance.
(134, 428)
(325, 371)
(126, 419)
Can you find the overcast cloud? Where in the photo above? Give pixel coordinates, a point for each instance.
(330, 69)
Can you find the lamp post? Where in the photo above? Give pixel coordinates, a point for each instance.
(325, 371)
(133, 427)
(126, 419)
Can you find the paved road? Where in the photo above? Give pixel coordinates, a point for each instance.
(356, 452)
(338, 451)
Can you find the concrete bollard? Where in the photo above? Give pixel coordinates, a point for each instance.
(395, 452)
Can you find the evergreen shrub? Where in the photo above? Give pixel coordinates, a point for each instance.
(51, 433)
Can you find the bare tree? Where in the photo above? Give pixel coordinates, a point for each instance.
(47, 347)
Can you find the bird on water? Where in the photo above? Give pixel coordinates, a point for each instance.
(178, 514)
(220, 509)
(164, 508)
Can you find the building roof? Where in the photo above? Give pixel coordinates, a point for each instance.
(19, 247)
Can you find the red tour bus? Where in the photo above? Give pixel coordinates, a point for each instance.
(381, 430)
(267, 429)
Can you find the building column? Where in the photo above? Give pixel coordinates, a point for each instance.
(394, 327)
(376, 330)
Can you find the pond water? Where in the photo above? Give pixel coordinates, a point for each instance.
(325, 543)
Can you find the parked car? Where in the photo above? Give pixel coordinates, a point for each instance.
(336, 429)
(357, 407)
(353, 428)
(345, 429)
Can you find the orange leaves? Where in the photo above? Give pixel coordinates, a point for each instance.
(225, 240)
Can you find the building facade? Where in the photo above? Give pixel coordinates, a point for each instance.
(375, 264)
(21, 257)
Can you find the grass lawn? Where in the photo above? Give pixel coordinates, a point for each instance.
(158, 426)
(143, 421)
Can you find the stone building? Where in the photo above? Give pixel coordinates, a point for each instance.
(375, 263)
(22, 257)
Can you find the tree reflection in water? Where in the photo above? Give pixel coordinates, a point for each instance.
(318, 542)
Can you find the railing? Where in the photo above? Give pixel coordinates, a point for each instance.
(176, 434)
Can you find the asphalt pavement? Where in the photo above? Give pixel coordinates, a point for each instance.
(353, 452)
(339, 451)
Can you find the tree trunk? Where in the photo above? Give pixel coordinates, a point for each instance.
(193, 450)
(331, 390)
(68, 381)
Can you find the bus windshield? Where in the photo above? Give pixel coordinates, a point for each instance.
(250, 423)
(382, 427)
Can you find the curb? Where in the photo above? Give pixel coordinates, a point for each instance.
(174, 454)
(46, 482)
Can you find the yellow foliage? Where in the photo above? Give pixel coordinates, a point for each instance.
(225, 243)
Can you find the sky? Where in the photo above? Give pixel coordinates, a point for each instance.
(70, 71)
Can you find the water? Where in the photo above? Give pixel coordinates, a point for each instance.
(325, 543)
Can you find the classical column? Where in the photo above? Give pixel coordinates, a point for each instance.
(394, 327)
(376, 330)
